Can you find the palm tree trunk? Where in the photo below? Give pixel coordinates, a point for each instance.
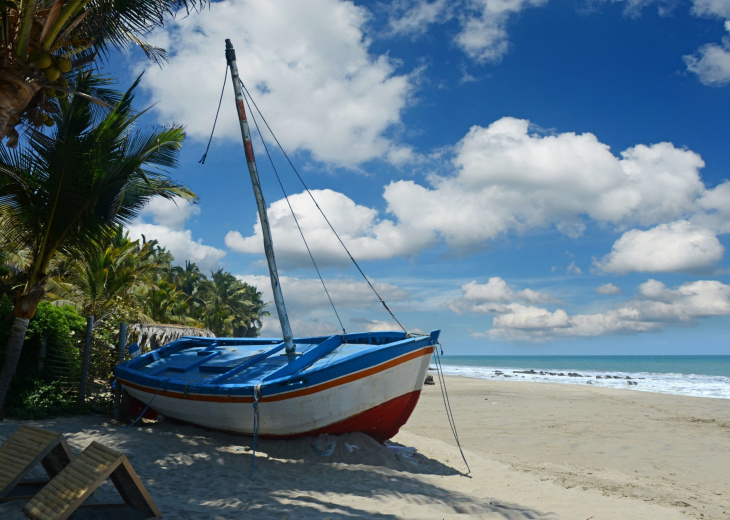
(12, 355)
(26, 304)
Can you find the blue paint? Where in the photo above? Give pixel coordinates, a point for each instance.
(233, 367)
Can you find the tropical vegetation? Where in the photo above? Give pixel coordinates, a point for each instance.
(140, 277)
(66, 191)
(104, 283)
(38, 391)
(41, 41)
(74, 169)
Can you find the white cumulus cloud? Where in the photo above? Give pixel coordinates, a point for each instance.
(320, 88)
(608, 288)
(711, 63)
(720, 8)
(483, 24)
(365, 235)
(484, 32)
(655, 307)
(493, 297)
(505, 179)
(508, 179)
(167, 227)
(675, 247)
(415, 17)
(715, 209)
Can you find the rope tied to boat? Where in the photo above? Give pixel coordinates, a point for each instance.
(447, 404)
(256, 424)
(146, 407)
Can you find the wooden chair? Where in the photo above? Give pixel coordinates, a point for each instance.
(23, 451)
(67, 491)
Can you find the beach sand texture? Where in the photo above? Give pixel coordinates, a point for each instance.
(535, 451)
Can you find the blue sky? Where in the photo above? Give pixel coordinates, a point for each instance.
(532, 177)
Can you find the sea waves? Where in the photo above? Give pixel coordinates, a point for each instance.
(677, 384)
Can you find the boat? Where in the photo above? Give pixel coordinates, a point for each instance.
(284, 387)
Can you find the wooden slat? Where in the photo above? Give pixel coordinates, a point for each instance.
(77, 481)
(25, 449)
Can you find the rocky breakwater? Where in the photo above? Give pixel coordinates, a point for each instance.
(629, 380)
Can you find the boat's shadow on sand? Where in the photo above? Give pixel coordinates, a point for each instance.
(192, 473)
(355, 449)
(292, 479)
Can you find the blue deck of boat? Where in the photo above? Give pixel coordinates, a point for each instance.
(203, 364)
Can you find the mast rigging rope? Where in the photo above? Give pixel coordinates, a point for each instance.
(225, 77)
(447, 403)
(250, 101)
(306, 188)
(247, 97)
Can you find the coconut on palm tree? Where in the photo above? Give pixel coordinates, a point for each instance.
(41, 41)
(65, 191)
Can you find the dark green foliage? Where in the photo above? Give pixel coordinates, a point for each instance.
(106, 340)
(223, 303)
(61, 327)
(231, 306)
(67, 191)
(6, 318)
(57, 324)
(36, 395)
(37, 399)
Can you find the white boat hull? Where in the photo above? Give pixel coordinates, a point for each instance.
(375, 397)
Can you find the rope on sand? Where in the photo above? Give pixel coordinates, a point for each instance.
(447, 404)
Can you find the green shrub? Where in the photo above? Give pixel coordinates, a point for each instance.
(61, 325)
(39, 400)
(35, 394)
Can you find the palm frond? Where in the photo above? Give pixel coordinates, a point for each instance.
(65, 190)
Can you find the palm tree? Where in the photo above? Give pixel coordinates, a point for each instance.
(249, 325)
(107, 273)
(189, 280)
(226, 301)
(11, 267)
(165, 303)
(66, 191)
(42, 40)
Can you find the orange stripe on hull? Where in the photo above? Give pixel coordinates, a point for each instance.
(287, 395)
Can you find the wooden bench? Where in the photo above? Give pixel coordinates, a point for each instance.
(67, 491)
(22, 452)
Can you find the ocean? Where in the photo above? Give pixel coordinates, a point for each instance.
(699, 376)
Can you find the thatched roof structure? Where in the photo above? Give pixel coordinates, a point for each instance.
(153, 335)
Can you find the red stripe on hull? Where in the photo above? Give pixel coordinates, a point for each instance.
(381, 422)
(287, 395)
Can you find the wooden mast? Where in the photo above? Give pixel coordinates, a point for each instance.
(265, 229)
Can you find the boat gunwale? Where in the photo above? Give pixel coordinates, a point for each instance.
(356, 367)
(185, 342)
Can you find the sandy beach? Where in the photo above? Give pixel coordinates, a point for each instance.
(535, 451)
